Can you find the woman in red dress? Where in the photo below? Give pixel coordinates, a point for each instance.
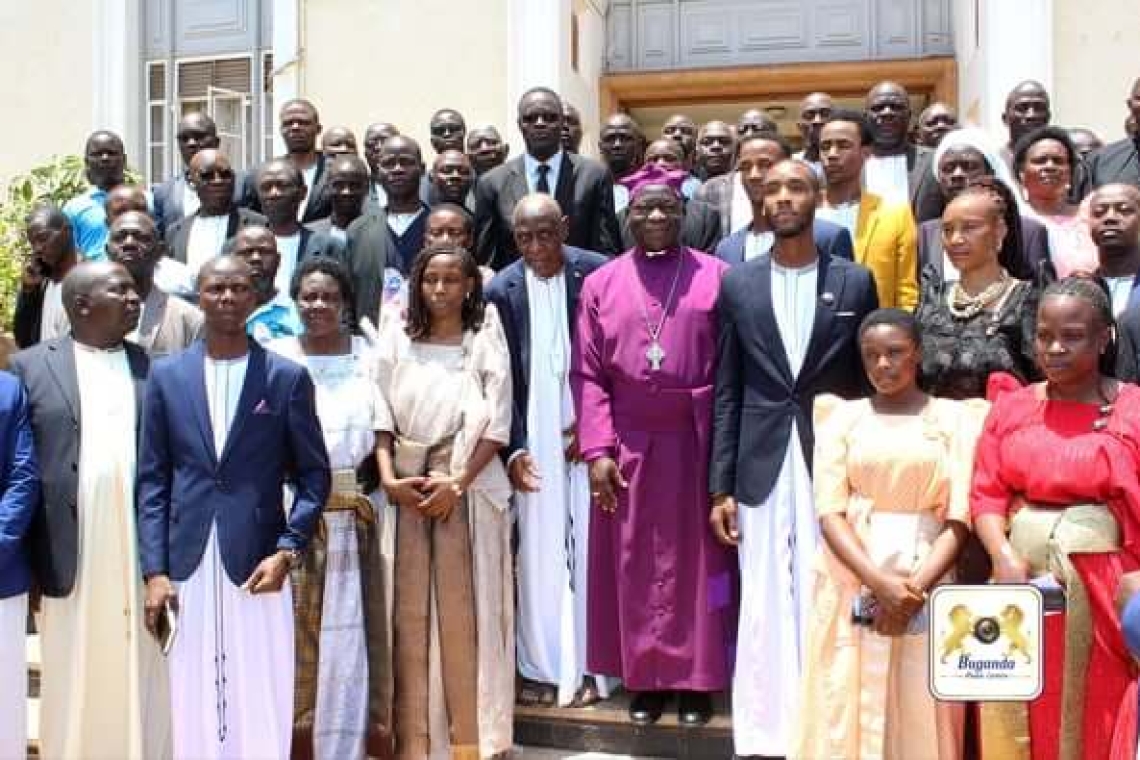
(1056, 492)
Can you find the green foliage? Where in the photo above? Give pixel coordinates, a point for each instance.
(55, 182)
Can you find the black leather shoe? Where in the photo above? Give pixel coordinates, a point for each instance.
(646, 707)
(694, 708)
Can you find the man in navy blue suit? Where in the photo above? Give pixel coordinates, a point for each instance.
(19, 494)
(537, 299)
(755, 155)
(788, 324)
(225, 426)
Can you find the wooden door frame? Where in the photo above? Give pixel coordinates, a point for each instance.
(934, 77)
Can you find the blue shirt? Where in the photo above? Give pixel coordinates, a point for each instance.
(531, 164)
(88, 216)
(276, 318)
(89, 223)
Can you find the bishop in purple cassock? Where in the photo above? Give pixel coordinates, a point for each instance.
(660, 597)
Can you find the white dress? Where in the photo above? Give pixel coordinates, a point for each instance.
(349, 406)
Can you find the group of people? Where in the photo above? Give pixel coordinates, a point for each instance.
(338, 458)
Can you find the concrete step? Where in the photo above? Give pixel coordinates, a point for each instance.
(606, 728)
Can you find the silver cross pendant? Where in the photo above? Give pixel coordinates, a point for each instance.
(655, 354)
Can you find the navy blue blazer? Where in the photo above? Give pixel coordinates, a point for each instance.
(830, 238)
(507, 291)
(19, 487)
(757, 397)
(184, 485)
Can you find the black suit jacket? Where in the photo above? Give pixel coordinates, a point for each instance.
(584, 191)
(1035, 264)
(318, 203)
(49, 374)
(700, 227)
(507, 291)
(170, 201)
(830, 238)
(757, 398)
(179, 235)
(366, 252)
(28, 315)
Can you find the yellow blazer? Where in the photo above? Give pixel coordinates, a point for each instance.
(886, 242)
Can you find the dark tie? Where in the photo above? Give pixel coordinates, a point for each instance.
(543, 186)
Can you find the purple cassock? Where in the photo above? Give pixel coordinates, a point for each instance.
(661, 589)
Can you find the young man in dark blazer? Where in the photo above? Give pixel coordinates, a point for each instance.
(226, 425)
(788, 325)
(581, 186)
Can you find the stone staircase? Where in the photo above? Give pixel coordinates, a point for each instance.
(601, 732)
(606, 728)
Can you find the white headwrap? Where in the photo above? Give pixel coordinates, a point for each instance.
(972, 137)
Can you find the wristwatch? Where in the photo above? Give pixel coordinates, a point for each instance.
(293, 558)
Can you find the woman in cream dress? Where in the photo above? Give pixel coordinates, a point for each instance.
(891, 486)
(445, 376)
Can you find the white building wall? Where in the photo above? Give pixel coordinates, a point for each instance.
(1096, 46)
(399, 61)
(1006, 42)
(46, 92)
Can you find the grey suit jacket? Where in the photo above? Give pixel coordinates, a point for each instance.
(48, 372)
(167, 325)
(584, 191)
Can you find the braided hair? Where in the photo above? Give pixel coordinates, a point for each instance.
(1093, 290)
(1012, 253)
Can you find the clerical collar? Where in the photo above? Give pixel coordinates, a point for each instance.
(657, 254)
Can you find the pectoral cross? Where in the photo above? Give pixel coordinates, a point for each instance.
(655, 354)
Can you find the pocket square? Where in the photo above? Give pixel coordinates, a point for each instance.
(844, 313)
(262, 408)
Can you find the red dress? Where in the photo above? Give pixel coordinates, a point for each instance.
(1049, 453)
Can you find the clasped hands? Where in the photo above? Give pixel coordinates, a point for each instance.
(434, 496)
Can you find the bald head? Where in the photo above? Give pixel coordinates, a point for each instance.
(338, 141)
(124, 198)
(101, 302)
(82, 280)
(540, 231)
(1114, 222)
(754, 122)
(228, 264)
(536, 206)
(1026, 108)
(49, 215)
(105, 159)
(888, 110)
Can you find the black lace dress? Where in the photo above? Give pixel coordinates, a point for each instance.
(959, 355)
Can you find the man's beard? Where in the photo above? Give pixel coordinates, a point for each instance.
(793, 231)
